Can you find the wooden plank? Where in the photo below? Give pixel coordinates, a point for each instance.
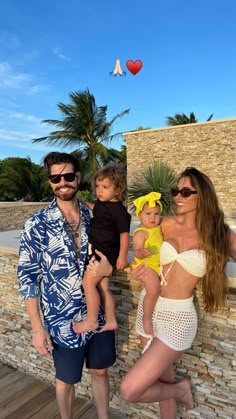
(7, 385)
(9, 391)
(50, 410)
(4, 370)
(79, 408)
(114, 414)
(91, 413)
(20, 398)
(34, 405)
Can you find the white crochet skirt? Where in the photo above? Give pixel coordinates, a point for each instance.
(174, 322)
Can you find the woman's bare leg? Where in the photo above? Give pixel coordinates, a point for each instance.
(142, 383)
(168, 408)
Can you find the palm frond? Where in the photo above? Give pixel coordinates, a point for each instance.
(157, 177)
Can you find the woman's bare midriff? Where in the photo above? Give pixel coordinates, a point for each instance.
(180, 284)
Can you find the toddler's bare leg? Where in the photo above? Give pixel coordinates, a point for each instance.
(108, 303)
(90, 283)
(152, 288)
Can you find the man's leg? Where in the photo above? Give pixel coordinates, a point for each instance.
(68, 364)
(65, 397)
(100, 355)
(101, 392)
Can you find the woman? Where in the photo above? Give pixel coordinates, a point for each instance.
(197, 244)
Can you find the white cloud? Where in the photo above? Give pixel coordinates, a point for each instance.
(21, 139)
(24, 117)
(10, 79)
(58, 53)
(23, 129)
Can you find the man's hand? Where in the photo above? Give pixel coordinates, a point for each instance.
(102, 268)
(41, 342)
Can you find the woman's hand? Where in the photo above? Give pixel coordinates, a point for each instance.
(101, 268)
(142, 273)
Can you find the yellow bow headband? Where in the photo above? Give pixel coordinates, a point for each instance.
(152, 199)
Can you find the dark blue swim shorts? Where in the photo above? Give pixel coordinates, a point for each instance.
(98, 353)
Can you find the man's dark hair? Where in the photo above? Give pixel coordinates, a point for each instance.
(59, 158)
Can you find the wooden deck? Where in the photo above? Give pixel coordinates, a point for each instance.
(23, 397)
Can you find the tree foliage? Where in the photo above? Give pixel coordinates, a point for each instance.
(20, 178)
(158, 177)
(182, 119)
(85, 129)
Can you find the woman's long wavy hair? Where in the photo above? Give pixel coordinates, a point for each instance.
(214, 239)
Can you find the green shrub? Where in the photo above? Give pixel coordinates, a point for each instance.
(158, 177)
(85, 196)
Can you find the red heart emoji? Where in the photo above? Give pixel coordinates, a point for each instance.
(134, 66)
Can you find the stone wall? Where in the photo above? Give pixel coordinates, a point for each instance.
(210, 363)
(14, 214)
(209, 146)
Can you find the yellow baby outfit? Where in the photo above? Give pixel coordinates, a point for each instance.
(153, 242)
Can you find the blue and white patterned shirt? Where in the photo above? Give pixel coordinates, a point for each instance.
(48, 268)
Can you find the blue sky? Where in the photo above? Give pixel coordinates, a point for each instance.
(49, 48)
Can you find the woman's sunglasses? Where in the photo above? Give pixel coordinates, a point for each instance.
(69, 177)
(185, 192)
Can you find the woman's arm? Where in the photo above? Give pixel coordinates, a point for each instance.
(143, 273)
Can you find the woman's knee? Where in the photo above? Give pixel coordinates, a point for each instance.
(127, 392)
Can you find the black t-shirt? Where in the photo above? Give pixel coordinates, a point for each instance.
(110, 219)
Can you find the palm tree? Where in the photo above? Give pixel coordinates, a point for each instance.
(182, 119)
(84, 127)
(158, 177)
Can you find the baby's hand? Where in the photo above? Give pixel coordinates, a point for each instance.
(146, 253)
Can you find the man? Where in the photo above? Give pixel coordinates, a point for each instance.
(52, 261)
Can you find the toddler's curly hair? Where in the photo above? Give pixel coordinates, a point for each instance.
(117, 174)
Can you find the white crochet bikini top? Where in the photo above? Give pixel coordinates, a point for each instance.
(193, 260)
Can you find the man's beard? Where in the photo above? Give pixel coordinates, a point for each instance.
(68, 196)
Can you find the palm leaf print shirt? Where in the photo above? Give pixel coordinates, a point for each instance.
(48, 269)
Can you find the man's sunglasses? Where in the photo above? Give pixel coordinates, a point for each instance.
(69, 177)
(185, 192)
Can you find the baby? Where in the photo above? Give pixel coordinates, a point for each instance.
(147, 240)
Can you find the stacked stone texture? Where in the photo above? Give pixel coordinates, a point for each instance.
(209, 146)
(14, 214)
(210, 363)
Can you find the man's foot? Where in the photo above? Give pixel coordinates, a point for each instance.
(147, 326)
(110, 325)
(84, 326)
(187, 398)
